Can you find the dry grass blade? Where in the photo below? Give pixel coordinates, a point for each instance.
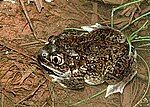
(86, 99)
(148, 72)
(31, 43)
(39, 4)
(17, 49)
(26, 75)
(148, 44)
(53, 96)
(30, 95)
(138, 18)
(28, 19)
(119, 7)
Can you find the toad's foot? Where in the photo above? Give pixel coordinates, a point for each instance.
(119, 87)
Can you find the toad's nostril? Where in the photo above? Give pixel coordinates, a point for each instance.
(44, 55)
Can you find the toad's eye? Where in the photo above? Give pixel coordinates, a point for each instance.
(57, 60)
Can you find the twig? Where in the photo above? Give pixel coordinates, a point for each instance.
(3, 97)
(30, 43)
(11, 66)
(31, 94)
(44, 104)
(18, 50)
(132, 14)
(25, 76)
(53, 96)
(28, 19)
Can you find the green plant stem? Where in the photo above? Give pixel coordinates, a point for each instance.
(148, 71)
(143, 37)
(130, 46)
(146, 14)
(84, 100)
(141, 40)
(114, 9)
(134, 34)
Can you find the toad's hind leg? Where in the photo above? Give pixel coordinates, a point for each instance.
(119, 87)
(72, 82)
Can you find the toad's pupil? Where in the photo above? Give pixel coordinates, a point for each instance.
(56, 60)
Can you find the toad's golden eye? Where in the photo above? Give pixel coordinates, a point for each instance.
(57, 60)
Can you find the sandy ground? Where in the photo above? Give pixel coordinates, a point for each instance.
(24, 84)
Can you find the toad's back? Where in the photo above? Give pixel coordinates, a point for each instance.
(102, 53)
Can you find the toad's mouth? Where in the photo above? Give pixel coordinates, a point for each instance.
(51, 70)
